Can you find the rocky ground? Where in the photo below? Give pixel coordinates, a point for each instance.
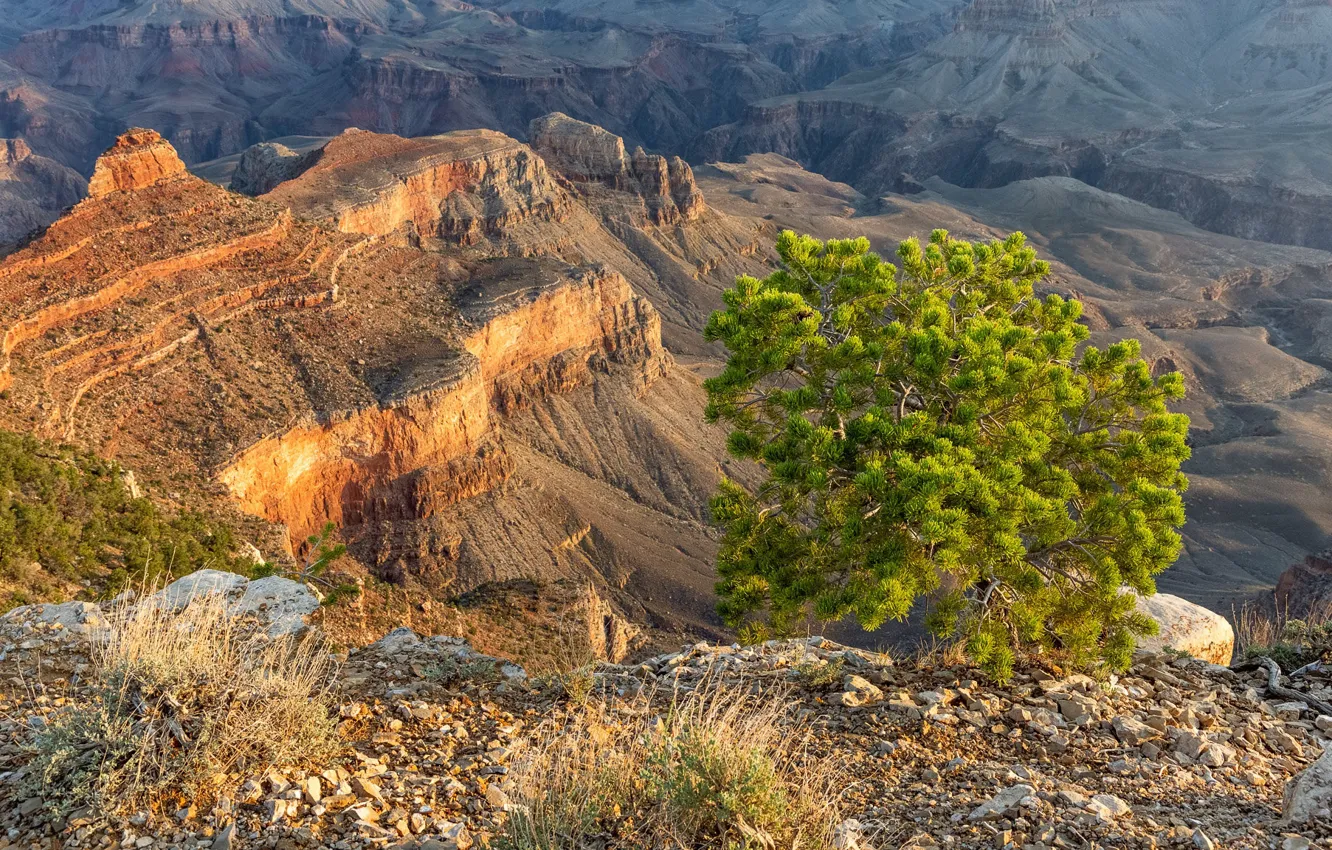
(1177, 752)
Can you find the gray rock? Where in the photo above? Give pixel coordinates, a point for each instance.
(1002, 803)
(1309, 795)
(1133, 732)
(264, 166)
(80, 618)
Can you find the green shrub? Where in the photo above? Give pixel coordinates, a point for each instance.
(938, 432)
(821, 674)
(71, 513)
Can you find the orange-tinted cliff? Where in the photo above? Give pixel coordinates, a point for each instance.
(443, 346)
(459, 186)
(139, 159)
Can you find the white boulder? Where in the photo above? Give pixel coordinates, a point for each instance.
(1188, 628)
(283, 606)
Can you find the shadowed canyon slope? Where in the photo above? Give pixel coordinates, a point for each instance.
(415, 339)
(1216, 110)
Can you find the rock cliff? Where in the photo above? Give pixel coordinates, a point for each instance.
(427, 447)
(585, 153)
(33, 191)
(493, 196)
(460, 186)
(262, 167)
(139, 159)
(340, 349)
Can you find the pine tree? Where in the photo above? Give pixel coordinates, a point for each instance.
(939, 432)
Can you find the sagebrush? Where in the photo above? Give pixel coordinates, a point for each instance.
(179, 700)
(717, 768)
(68, 516)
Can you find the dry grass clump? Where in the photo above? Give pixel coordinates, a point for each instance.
(179, 700)
(717, 768)
(1270, 630)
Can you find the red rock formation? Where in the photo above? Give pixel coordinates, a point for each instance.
(139, 159)
(460, 186)
(585, 153)
(460, 412)
(526, 343)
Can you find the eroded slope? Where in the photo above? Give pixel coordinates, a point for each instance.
(344, 350)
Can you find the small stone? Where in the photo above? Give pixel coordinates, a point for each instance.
(224, 837)
(1201, 841)
(1001, 803)
(1110, 806)
(1133, 732)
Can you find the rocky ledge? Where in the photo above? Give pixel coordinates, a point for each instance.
(140, 158)
(588, 155)
(1176, 752)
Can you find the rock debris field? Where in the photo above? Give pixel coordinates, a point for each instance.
(1175, 753)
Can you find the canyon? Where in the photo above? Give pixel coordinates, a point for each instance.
(414, 339)
(481, 359)
(453, 300)
(1214, 111)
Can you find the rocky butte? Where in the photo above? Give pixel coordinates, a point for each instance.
(422, 341)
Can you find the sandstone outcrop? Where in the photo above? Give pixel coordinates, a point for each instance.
(1188, 628)
(383, 463)
(496, 197)
(262, 167)
(460, 186)
(139, 159)
(585, 153)
(185, 252)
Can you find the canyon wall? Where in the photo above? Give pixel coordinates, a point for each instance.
(459, 186)
(585, 153)
(33, 191)
(410, 457)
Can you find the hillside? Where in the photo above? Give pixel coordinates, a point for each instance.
(324, 356)
(438, 746)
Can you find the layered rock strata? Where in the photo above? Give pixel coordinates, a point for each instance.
(251, 357)
(139, 159)
(138, 271)
(430, 448)
(460, 186)
(585, 153)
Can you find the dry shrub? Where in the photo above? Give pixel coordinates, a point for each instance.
(717, 768)
(1271, 630)
(179, 700)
